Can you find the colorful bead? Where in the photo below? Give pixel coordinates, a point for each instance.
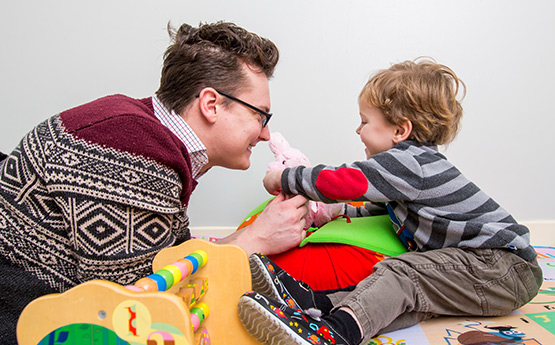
(188, 264)
(175, 271)
(195, 321)
(198, 312)
(160, 281)
(204, 256)
(194, 261)
(204, 308)
(168, 277)
(199, 258)
(134, 288)
(147, 284)
(183, 268)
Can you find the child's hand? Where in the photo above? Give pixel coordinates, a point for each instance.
(272, 182)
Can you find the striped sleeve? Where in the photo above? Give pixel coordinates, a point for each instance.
(385, 177)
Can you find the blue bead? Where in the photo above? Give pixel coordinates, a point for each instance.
(160, 281)
(194, 261)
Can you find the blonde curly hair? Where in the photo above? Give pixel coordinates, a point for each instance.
(423, 92)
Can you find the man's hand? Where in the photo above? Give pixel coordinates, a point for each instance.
(277, 229)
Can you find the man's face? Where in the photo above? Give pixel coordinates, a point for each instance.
(240, 127)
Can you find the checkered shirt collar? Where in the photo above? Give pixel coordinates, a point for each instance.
(177, 125)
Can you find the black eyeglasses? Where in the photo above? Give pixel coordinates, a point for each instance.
(265, 116)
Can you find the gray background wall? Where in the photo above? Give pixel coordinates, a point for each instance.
(60, 53)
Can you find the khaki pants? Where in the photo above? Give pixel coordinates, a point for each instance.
(416, 286)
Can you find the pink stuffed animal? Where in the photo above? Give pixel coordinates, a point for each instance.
(286, 157)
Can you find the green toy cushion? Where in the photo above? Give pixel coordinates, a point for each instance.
(374, 233)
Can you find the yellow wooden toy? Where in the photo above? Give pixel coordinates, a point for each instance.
(153, 311)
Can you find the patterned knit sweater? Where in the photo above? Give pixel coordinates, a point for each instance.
(92, 193)
(431, 202)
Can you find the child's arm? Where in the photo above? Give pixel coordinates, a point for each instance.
(325, 183)
(389, 179)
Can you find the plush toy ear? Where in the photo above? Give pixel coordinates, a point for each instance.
(278, 144)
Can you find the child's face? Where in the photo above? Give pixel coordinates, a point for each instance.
(375, 132)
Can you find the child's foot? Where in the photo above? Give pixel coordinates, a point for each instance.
(269, 279)
(273, 323)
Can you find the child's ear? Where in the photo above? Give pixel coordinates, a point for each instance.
(208, 98)
(403, 131)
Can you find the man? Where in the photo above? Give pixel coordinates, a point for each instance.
(96, 191)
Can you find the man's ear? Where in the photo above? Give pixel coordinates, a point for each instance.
(403, 131)
(208, 98)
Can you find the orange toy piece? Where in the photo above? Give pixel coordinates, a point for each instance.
(147, 285)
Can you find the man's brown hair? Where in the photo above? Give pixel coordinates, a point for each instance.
(211, 55)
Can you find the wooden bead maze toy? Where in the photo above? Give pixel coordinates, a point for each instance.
(188, 300)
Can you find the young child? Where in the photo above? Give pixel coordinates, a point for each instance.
(470, 257)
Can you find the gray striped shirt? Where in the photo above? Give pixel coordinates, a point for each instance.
(428, 198)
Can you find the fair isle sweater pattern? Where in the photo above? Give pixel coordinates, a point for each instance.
(428, 195)
(72, 210)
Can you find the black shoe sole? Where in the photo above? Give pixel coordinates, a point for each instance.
(264, 326)
(262, 281)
